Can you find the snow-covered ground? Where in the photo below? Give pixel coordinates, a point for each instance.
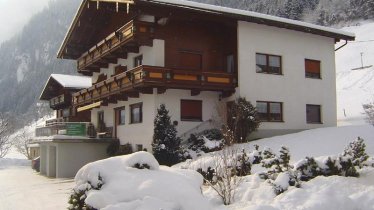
(355, 88)
(22, 188)
(126, 188)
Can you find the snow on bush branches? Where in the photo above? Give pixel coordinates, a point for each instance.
(281, 174)
(136, 181)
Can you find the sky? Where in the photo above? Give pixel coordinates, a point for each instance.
(14, 14)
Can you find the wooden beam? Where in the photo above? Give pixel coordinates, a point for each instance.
(146, 90)
(133, 94)
(161, 90)
(226, 94)
(122, 97)
(195, 92)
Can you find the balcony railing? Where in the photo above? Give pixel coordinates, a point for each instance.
(133, 34)
(143, 77)
(65, 128)
(60, 101)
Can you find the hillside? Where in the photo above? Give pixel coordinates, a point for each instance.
(355, 87)
(29, 58)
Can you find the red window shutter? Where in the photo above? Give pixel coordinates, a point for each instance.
(191, 110)
(312, 66)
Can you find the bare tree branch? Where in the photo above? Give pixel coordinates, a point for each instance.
(5, 131)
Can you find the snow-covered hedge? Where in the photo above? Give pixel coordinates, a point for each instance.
(137, 181)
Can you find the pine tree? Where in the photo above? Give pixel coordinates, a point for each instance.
(285, 158)
(356, 152)
(166, 144)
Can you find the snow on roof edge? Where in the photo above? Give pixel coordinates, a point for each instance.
(72, 81)
(87, 82)
(215, 8)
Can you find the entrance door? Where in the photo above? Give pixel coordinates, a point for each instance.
(119, 119)
(100, 121)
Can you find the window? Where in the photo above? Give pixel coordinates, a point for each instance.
(313, 113)
(121, 115)
(138, 61)
(136, 113)
(230, 63)
(191, 110)
(139, 147)
(100, 121)
(271, 64)
(312, 69)
(270, 111)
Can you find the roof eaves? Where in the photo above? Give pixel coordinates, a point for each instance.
(69, 32)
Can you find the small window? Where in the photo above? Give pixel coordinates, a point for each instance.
(139, 147)
(121, 115)
(136, 113)
(313, 113)
(312, 69)
(270, 64)
(270, 111)
(138, 61)
(230, 63)
(191, 110)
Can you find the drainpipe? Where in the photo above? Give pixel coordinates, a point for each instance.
(346, 42)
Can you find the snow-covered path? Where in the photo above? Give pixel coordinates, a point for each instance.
(21, 188)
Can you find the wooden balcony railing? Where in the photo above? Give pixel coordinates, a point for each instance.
(143, 77)
(117, 44)
(60, 101)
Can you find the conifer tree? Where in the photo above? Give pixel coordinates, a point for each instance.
(166, 144)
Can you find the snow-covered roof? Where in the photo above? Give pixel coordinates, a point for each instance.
(67, 82)
(237, 14)
(72, 81)
(249, 14)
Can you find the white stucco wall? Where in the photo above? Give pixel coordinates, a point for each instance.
(291, 88)
(64, 159)
(142, 133)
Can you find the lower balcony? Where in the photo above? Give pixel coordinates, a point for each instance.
(66, 130)
(143, 79)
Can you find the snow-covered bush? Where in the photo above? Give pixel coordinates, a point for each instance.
(369, 111)
(356, 152)
(206, 141)
(307, 168)
(78, 197)
(166, 144)
(244, 164)
(137, 181)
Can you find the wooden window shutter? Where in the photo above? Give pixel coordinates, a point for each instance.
(191, 110)
(313, 66)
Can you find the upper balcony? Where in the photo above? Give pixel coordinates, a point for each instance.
(124, 40)
(143, 79)
(60, 101)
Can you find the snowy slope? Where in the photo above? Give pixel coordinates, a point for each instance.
(355, 87)
(321, 193)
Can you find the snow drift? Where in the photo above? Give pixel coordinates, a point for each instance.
(126, 187)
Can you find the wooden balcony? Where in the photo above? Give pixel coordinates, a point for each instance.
(60, 101)
(126, 39)
(143, 79)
